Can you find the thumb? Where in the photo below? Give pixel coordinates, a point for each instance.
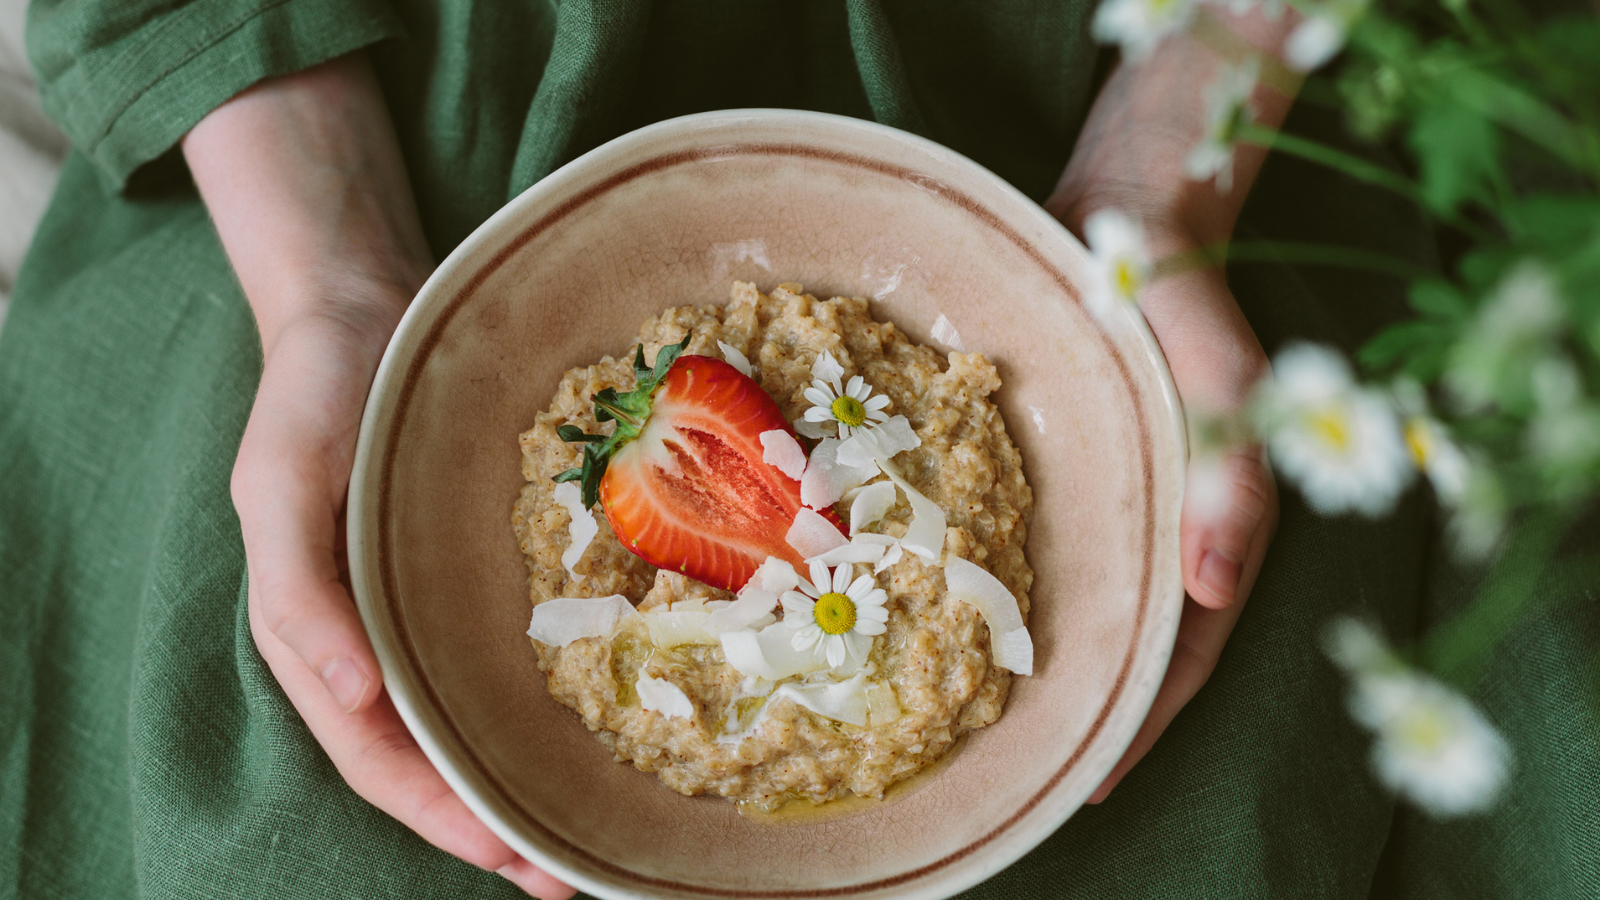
(1230, 511)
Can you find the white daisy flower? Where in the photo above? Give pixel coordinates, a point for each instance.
(834, 404)
(1228, 110)
(1433, 746)
(833, 616)
(1524, 311)
(1139, 25)
(1322, 33)
(1339, 442)
(1121, 262)
(1432, 450)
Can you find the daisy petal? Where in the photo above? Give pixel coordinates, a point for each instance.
(857, 388)
(819, 397)
(835, 651)
(868, 626)
(841, 579)
(821, 577)
(875, 403)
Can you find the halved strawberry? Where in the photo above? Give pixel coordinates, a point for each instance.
(682, 479)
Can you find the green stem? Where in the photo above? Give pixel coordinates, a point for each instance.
(1354, 166)
(1458, 650)
(1290, 252)
(618, 413)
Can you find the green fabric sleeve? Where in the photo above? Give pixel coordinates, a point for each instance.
(127, 80)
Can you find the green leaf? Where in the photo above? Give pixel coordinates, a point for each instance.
(1457, 152)
(1419, 348)
(573, 434)
(1438, 299)
(1552, 223)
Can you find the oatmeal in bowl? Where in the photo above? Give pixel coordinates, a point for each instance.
(883, 549)
(1027, 418)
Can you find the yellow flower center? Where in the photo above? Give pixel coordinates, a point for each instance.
(1332, 426)
(849, 411)
(1126, 276)
(1425, 730)
(1420, 440)
(835, 613)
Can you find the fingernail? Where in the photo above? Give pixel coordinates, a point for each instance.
(346, 682)
(1219, 574)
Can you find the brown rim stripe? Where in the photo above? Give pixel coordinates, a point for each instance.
(649, 166)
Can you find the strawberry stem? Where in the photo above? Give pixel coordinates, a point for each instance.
(630, 411)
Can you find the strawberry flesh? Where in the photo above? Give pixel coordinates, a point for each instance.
(682, 478)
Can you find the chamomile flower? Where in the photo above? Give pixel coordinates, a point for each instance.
(1496, 357)
(1121, 262)
(1139, 25)
(1228, 110)
(1432, 450)
(1339, 442)
(835, 404)
(1432, 745)
(1322, 33)
(835, 617)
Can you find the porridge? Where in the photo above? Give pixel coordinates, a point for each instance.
(881, 583)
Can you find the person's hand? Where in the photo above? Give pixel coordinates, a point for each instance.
(304, 180)
(1130, 157)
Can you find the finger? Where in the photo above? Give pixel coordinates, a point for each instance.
(1201, 635)
(1227, 526)
(535, 881)
(288, 490)
(377, 756)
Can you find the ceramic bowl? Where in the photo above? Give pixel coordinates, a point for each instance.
(672, 214)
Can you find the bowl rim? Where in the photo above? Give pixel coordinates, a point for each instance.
(1156, 632)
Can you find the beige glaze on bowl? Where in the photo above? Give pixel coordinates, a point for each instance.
(669, 215)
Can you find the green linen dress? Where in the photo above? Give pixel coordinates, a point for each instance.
(147, 751)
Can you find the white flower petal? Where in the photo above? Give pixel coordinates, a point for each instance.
(825, 479)
(1313, 42)
(1011, 645)
(874, 403)
(581, 528)
(563, 620)
(735, 358)
(820, 400)
(663, 696)
(798, 605)
(857, 388)
(867, 446)
(821, 577)
(813, 535)
(780, 450)
(833, 646)
(869, 627)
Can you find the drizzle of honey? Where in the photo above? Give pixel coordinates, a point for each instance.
(801, 811)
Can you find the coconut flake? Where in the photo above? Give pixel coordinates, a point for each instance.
(806, 428)
(825, 480)
(1010, 643)
(828, 369)
(853, 552)
(813, 535)
(581, 528)
(883, 705)
(844, 701)
(870, 505)
(768, 653)
(780, 450)
(735, 358)
(753, 605)
(670, 628)
(663, 696)
(775, 576)
(563, 620)
(925, 536)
